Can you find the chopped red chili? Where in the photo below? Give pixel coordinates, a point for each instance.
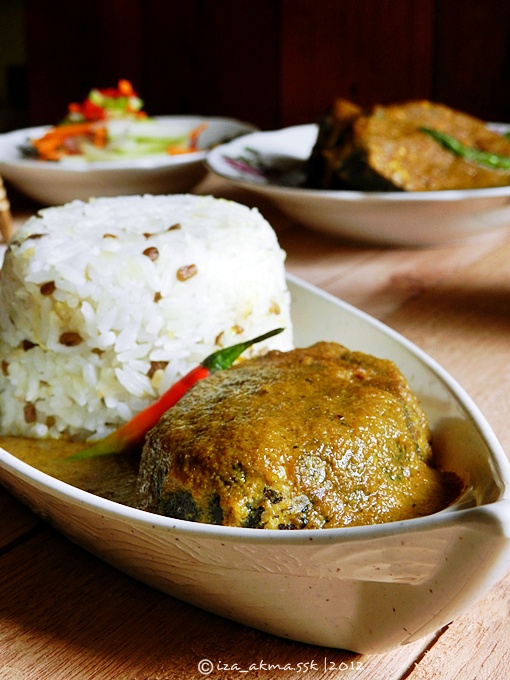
(131, 434)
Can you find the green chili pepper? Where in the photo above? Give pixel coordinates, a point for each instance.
(491, 160)
(132, 433)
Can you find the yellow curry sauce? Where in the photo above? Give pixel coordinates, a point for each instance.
(111, 477)
(312, 438)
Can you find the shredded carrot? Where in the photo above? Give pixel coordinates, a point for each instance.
(100, 136)
(51, 145)
(194, 135)
(70, 130)
(192, 143)
(176, 150)
(84, 121)
(126, 89)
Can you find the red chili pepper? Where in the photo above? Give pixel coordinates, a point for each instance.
(91, 111)
(132, 433)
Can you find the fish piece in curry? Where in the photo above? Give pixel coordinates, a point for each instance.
(312, 438)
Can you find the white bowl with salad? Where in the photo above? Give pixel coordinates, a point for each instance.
(108, 146)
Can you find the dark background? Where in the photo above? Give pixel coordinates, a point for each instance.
(271, 62)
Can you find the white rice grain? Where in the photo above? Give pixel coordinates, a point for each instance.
(105, 304)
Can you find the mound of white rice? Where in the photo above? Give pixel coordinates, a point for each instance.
(105, 304)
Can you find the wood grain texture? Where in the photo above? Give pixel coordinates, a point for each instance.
(272, 62)
(214, 58)
(66, 615)
(73, 47)
(17, 522)
(365, 50)
(472, 56)
(474, 646)
(464, 323)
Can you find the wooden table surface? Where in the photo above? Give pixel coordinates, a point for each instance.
(64, 614)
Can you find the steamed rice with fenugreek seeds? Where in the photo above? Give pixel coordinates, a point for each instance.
(105, 304)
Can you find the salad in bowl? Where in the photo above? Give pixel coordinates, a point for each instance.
(110, 124)
(108, 145)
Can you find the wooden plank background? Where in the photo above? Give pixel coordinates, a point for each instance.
(272, 62)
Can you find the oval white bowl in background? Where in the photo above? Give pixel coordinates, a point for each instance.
(402, 218)
(55, 183)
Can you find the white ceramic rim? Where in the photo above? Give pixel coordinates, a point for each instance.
(339, 535)
(448, 195)
(69, 166)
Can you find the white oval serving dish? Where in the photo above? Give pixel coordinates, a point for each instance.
(55, 183)
(366, 589)
(270, 164)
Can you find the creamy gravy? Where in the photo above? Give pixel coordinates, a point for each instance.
(112, 477)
